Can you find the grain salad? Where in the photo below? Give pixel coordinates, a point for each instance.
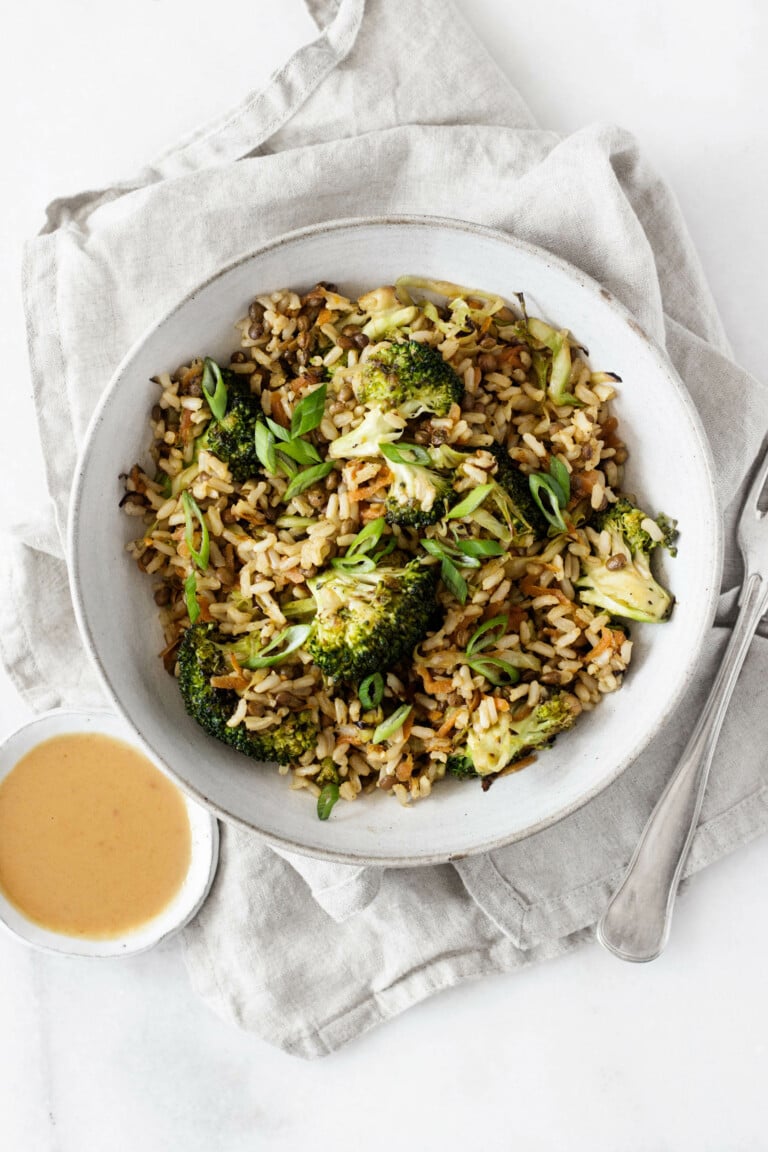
(389, 538)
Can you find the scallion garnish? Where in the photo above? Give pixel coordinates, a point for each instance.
(308, 412)
(480, 549)
(214, 388)
(329, 794)
(470, 502)
(490, 632)
(548, 495)
(368, 537)
(561, 477)
(307, 477)
(190, 598)
(495, 670)
(392, 724)
(402, 453)
(356, 558)
(192, 513)
(306, 607)
(288, 641)
(371, 691)
(277, 430)
(301, 451)
(265, 447)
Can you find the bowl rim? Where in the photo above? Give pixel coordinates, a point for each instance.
(581, 281)
(117, 947)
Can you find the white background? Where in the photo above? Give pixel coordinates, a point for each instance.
(583, 1053)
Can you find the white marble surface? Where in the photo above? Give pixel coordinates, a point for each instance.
(582, 1053)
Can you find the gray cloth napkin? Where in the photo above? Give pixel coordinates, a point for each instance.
(362, 121)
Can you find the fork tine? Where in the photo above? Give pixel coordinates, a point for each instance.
(758, 483)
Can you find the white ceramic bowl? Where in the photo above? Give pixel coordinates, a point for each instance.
(669, 468)
(186, 902)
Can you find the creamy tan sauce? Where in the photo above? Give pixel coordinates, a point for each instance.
(94, 840)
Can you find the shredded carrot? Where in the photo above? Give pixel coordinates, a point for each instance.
(191, 373)
(205, 611)
(485, 325)
(438, 686)
(518, 764)
(530, 588)
(404, 768)
(407, 725)
(604, 644)
(447, 724)
(325, 317)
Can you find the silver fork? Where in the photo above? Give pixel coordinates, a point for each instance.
(635, 925)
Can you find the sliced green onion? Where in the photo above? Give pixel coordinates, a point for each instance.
(295, 523)
(192, 513)
(371, 691)
(405, 453)
(214, 388)
(190, 598)
(481, 549)
(445, 551)
(453, 580)
(288, 466)
(488, 633)
(329, 794)
(470, 502)
(277, 430)
(562, 477)
(496, 671)
(290, 638)
(301, 451)
(306, 607)
(392, 724)
(354, 563)
(308, 412)
(265, 447)
(547, 495)
(308, 477)
(368, 537)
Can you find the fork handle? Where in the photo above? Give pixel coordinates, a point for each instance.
(635, 925)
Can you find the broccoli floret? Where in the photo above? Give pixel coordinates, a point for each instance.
(619, 580)
(368, 621)
(203, 654)
(460, 766)
(411, 378)
(232, 438)
(445, 458)
(517, 505)
(377, 428)
(417, 496)
(489, 750)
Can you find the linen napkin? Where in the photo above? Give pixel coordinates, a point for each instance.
(362, 121)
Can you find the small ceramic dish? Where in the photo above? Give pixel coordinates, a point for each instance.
(190, 896)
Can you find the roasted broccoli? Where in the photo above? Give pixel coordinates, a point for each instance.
(367, 621)
(489, 750)
(418, 495)
(515, 502)
(619, 578)
(377, 428)
(203, 654)
(232, 438)
(410, 378)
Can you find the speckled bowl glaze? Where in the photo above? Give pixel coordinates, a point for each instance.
(190, 896)
(670, 467)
